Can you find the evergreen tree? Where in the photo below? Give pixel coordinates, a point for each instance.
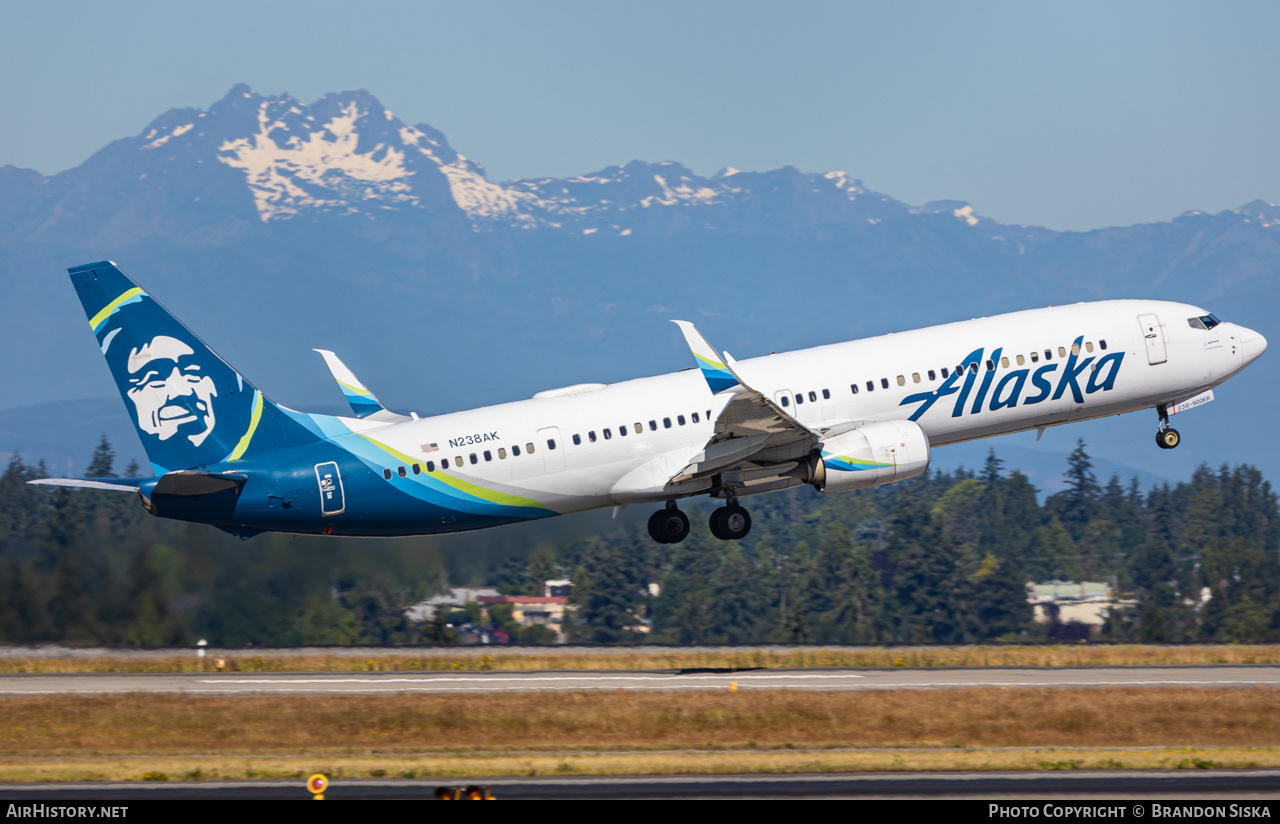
(22, 615)
(1003, 611)
(1077, 505)
(103, 463)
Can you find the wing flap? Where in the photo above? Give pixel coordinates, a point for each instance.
(749, 428)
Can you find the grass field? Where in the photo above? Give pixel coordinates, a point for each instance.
(184, 737)
(490, 658)
(221, 767)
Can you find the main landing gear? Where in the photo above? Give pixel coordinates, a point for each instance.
(1166, 437)
(730, 523)
(671, 526)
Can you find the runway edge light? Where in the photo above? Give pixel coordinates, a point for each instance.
(317, 784)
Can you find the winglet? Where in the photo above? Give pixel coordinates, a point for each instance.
(718, 376)
(363, 402)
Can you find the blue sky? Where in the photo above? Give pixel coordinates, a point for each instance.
(1069, 115)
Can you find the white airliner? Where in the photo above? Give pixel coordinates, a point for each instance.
(839, 417)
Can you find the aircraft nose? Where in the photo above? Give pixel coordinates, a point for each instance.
(1252, 345)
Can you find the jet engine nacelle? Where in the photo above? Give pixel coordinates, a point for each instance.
(872, 455)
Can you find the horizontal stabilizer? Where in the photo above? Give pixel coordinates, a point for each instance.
(193, 484)
(116, 484)
(362, 402)
(704, 354)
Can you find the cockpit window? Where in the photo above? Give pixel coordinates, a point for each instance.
(1204, 322)
(1196, 323)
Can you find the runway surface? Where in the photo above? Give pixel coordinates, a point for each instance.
(550, 681)
(1257, 785)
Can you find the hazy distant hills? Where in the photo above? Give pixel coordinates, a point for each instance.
(272, 227)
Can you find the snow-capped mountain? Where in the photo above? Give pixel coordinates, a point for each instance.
(275, 159)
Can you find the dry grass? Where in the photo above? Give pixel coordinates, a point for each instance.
(337, 767)
(504, 722)
(640, 659)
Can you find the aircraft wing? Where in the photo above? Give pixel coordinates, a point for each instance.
(750, 428)
(363, 402)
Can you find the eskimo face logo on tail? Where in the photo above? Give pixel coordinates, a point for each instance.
(190, 407)
(972, 381)
(170, 391)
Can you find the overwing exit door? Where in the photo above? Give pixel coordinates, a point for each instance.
(1153, 335)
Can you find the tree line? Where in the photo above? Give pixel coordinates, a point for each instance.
(941, 559)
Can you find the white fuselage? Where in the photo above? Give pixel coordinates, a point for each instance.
(668, 418)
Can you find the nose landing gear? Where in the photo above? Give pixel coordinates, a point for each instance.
(1166, 437)
(669, 525)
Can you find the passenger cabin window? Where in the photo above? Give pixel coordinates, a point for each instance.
(622, 430)
(577, 440)
(1048, 354)
(826, 396)
(1021, 360)
(1102, 344)
(871, 385)
(1062, 351)
(502, 452)
(695, 417)
(417, 470)
(1004, 363)
(431, 466)
(444, 463)
(1075, 349)
(457, 462)
(854, 387)
(1035, 357)
(785, 401)
(884, 383)
(915, 377)
(799, 399)
(991, 365)
(902, 380)
(1088, 346)
(653, 426)
(666, 423)
(607, 433)
(639, 428)
(401, 472)
(813, 397)
(386, 473)
(529, 447)
(933, 376)
(945, 373)
(591, 436)
(515, 451)
(551, 443)
(973, 367)
(474, 459)
(488, 456)
(680, 419)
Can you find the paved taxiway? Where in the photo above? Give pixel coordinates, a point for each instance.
(825, 679)
(1166, 785)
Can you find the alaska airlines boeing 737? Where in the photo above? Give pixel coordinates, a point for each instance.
(839, 417)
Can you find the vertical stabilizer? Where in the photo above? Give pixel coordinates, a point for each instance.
(190, 407)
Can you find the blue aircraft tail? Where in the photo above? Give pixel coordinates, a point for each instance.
(190, 407)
